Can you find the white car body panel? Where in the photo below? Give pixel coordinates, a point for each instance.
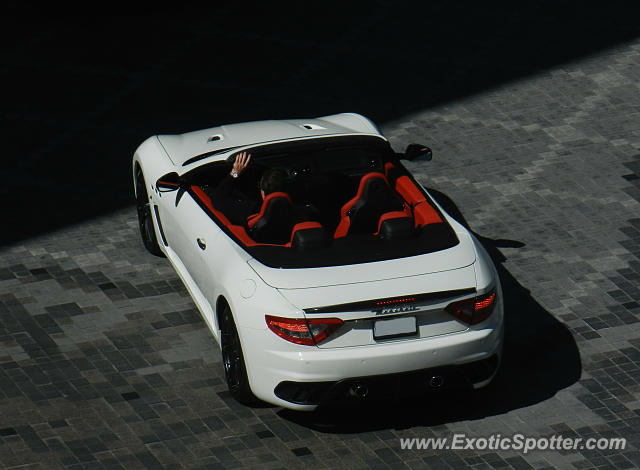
(274, 362)
(224, 270)
(432, 319)
(396, 287)
(181, 147)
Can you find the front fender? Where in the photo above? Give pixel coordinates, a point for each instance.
(153, 161)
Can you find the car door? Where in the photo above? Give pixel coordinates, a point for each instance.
(192, 236)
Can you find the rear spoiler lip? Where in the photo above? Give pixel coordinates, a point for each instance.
(376, 304)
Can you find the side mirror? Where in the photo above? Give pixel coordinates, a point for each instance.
(169, 182)
(418, 152)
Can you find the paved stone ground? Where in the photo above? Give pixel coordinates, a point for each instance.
(105, 363)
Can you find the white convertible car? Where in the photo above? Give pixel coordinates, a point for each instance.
(373, 285)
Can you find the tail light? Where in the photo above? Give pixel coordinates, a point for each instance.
(301, 331)
(473, 311)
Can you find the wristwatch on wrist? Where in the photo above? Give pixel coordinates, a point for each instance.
(234, 174)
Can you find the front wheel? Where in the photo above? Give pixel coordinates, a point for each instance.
(145, 219)
(235, 370)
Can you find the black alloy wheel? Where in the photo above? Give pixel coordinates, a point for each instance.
(233, 361)
(145, 219)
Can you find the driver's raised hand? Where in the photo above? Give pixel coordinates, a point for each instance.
(241, 162)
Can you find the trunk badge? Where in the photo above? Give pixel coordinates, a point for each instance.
(395, 309)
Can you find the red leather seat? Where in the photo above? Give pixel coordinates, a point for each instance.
(274, 222)
(362, 213)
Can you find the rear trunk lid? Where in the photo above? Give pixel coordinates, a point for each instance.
(394, 300)
(400, 309)
(459, 256)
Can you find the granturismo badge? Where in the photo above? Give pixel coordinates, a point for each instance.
(395, 309)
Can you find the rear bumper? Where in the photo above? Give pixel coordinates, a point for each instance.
(381, 386)
(272, 361)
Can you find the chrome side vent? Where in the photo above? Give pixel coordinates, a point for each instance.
(214, 138)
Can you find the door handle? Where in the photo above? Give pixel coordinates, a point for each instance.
(201, 243)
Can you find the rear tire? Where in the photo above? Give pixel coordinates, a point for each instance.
(235, 370)
(145, 218)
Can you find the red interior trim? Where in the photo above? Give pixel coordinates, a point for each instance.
(250, 219)
(237, 230)
(253, 219)
(304, 226)
(207, 202)
(388, 167)
(392, 215)
(343, 227)
(405, 187)
(424, 214)
(409, 191)
(243, 236)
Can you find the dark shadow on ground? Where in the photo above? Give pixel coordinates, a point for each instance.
(540, 358)
(82, 93)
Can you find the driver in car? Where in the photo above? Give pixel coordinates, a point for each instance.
(237, 209)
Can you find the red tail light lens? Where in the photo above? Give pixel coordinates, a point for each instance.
(301, 331)
(473, 311)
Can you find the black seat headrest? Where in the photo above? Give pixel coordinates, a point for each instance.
(274, 222)
(376, 198)
(395, 225)
(308, 235)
